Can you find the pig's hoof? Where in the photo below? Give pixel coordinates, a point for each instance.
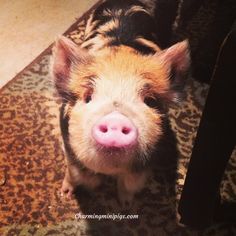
(67, 190)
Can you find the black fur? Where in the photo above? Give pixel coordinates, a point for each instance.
(139, 24)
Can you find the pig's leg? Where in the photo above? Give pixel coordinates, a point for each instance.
(75, 176)
(129, 184)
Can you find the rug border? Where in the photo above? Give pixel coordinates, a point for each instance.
(48, 49)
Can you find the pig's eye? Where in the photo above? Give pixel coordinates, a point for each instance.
(151, 102)
(88, 98)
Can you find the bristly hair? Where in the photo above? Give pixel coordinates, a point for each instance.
(121, 22)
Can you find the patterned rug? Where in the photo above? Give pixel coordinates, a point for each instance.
(32, 166)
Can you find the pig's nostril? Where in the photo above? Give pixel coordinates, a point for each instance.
(126, 130)
(103, 128)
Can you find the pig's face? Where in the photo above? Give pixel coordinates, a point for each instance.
(112, 122)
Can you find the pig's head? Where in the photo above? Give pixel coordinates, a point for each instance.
(112, 100)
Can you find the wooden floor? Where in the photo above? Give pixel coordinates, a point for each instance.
(27, 27)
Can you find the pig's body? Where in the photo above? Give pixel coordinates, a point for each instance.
(112, 87)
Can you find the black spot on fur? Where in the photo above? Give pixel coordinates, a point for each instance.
(131, 26)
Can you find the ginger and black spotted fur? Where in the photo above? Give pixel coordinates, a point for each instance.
(128, 23)
(118, 67)
(122, 22)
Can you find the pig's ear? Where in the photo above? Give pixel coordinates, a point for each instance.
(177, 57)
(66, 56)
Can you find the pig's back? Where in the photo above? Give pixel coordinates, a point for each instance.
(121, 22)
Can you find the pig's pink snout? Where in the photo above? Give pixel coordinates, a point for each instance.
(115, 130)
